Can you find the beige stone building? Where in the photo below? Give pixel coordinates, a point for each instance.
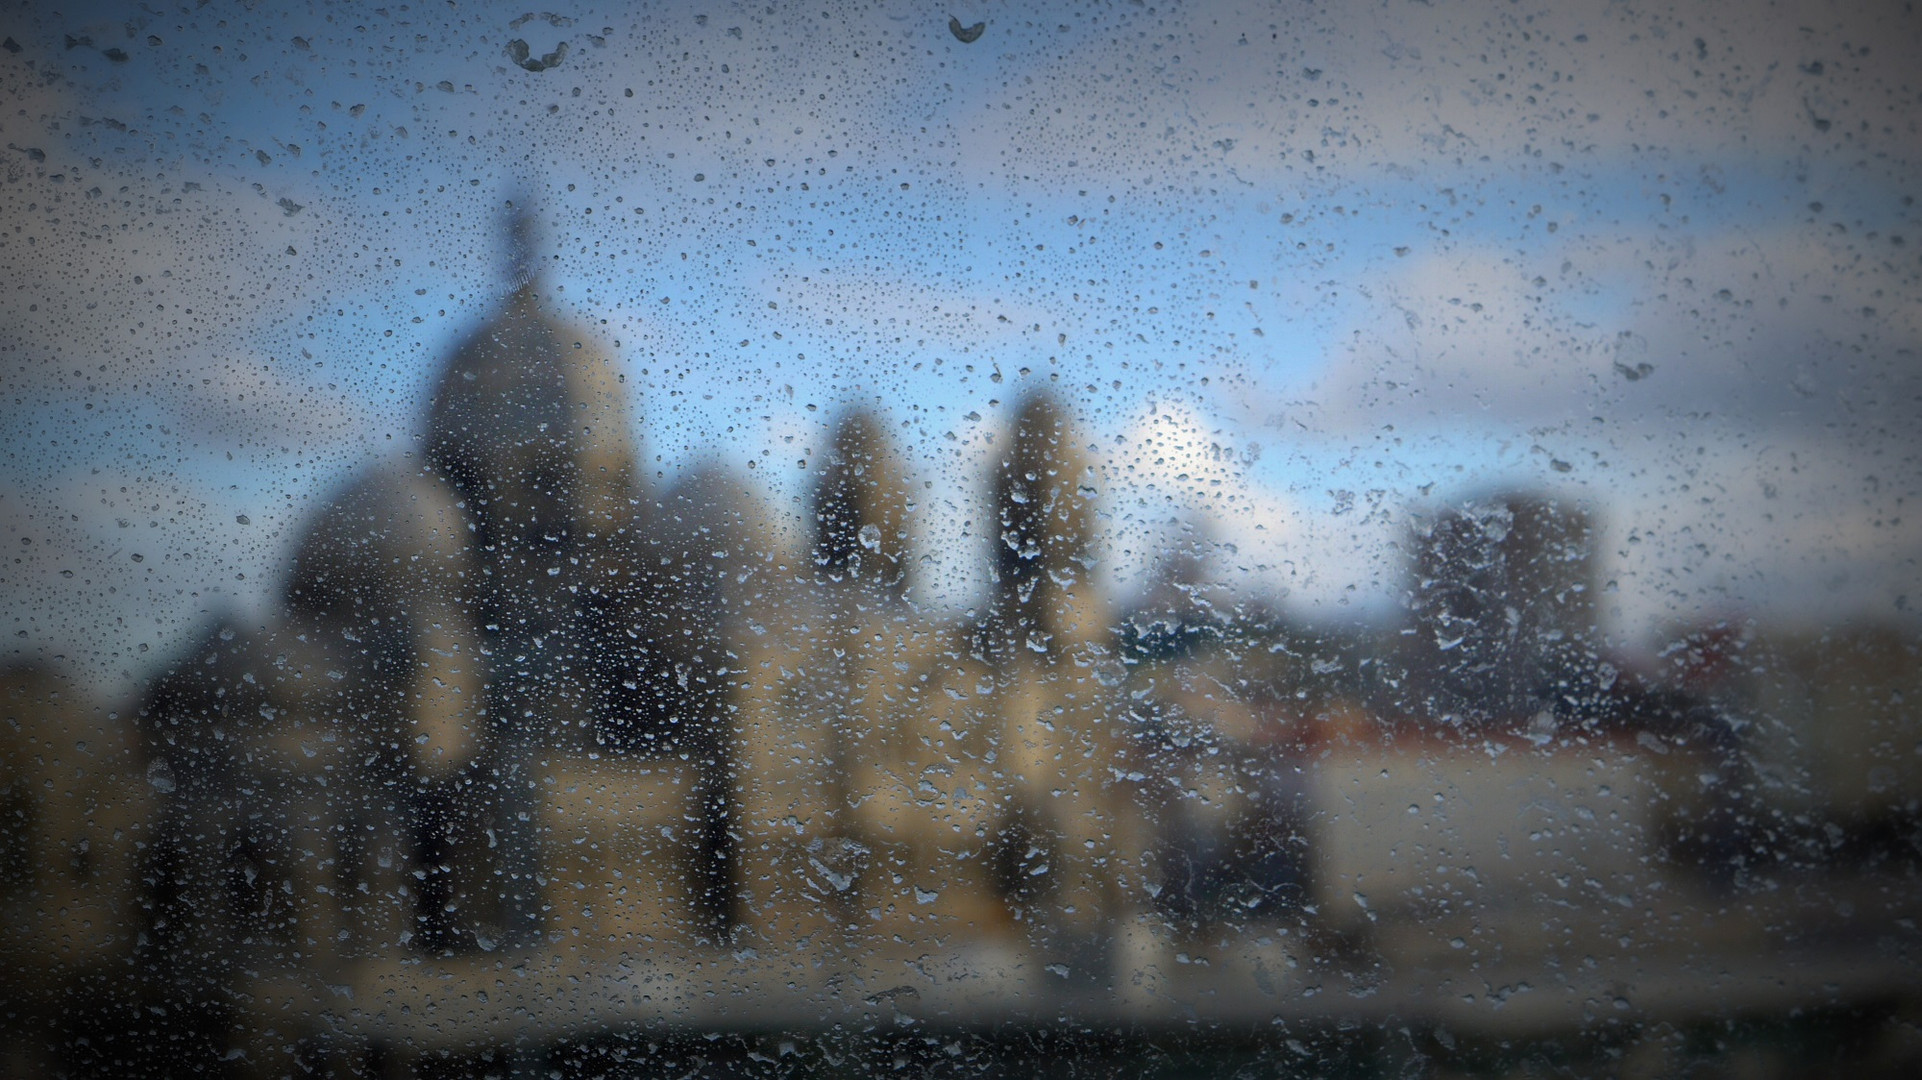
(1069, 829)
(907, 784)
(76, 814)
(529, 727)
(453, 737)
(519, 700)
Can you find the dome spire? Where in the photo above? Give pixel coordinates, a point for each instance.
(520, 244)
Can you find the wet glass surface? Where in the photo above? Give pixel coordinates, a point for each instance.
(1156, 539)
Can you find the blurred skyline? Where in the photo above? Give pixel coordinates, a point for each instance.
(1304, 276)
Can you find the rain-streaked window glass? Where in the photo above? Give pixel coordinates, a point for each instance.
(1091, 539)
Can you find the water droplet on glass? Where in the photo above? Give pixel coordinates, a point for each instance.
(161, 776)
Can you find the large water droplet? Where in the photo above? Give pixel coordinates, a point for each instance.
(161, 776)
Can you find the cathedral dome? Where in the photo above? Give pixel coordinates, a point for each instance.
(530, 418)
(391, 535)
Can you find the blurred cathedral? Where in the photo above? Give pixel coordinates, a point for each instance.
(518, 700)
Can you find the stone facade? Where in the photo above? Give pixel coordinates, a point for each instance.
(521, 705)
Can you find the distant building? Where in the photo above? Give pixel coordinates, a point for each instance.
(1830, 728)
(1501, 609)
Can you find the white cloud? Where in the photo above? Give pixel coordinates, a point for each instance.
(1226, 94)
(1179, 482)
(1621, 324)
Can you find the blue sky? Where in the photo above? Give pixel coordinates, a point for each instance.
(1304, 274)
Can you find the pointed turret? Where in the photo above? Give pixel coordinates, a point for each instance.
(1045, 532)
(861, 509)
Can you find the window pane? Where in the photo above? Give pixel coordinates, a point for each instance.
(1154, 538)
